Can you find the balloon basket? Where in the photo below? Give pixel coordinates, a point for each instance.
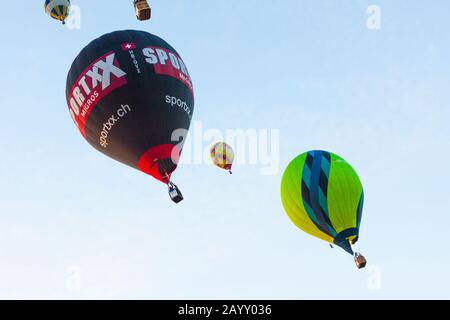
(143, 10)
(360, 261)
(175, 193)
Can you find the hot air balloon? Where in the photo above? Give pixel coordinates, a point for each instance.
(323, 196)
(222, 156)
(131, 96)
(57, 9)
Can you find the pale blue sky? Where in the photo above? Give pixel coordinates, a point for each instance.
(311, 69)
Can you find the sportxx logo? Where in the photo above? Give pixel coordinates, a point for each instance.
(111, 122)
(168, 63)
(98, 80)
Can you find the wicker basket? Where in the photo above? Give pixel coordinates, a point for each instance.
(360, 261)
(143, 11)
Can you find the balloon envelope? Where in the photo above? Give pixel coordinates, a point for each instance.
(222, 155)
(131, 96)
(323, 196)
(57, 9)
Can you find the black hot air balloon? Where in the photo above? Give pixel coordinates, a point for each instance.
(131, 96)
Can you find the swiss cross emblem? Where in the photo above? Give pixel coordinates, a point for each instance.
(128, 46)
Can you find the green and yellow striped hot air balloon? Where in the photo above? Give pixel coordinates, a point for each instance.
(323, 196)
